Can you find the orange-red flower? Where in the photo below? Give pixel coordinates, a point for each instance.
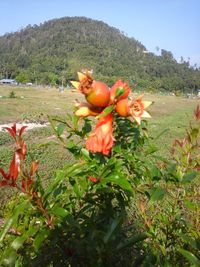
(137, 109)
(101, 139)
(134, 108)
(85, 82)
(119, 85)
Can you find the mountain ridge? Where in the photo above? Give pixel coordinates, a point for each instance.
(52, 53)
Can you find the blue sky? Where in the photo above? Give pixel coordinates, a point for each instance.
(173, 25)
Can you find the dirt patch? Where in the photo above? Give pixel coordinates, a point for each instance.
(30, 125)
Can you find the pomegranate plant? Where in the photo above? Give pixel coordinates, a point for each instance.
(118, 203)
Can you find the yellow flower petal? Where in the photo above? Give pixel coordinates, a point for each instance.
(137, 119)
(75, 84)
(81, 76)
(145, 114)
(146, 103)
(82, 112)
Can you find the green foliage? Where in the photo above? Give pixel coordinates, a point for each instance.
(52, 52)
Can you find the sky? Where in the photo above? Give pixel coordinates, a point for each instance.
(173, 25)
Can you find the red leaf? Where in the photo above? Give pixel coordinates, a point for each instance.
(26, 184)
(22, 150)
(14, 128)
(197, 113)
(22, 130)
(14, 167)
(12, 133)
(34, 167)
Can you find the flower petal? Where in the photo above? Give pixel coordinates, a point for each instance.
(81, 76)
(147, 103)
(75, 84)
(145, 114)
(137, 119)
(101, 139)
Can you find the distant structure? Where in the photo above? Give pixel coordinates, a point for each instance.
(8, 81)
(29, 84)
(145, 52)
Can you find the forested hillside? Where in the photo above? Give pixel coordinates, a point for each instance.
(52, 52)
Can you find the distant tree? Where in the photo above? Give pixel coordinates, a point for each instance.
(167, 54)
(157, 48)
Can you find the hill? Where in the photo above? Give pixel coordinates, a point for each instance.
(52, 52)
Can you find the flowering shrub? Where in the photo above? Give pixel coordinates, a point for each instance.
(118, 203)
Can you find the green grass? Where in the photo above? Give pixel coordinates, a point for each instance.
(170, 115)
(168, 112)
(36, 103)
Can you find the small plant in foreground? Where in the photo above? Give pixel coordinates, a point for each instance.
(118, 203)
(12, 94)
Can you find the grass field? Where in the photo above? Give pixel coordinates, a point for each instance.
(34, 104)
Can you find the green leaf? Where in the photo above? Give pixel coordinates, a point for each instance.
(59, 211)
(9, 257)
(19, 241)
(117, 148)
(161, 133)
(106, 111)
(187, 178)
(120, 91)
(86, 127)
(17, 211)
(7, 227)
(77, 190)
(151, 149)
(157, 194)
(189, 205)
(154, 172)
(190, 257)
(194, 134)
(118, 180)
(83, 183)
(113, 227)
(70, 144)
(189, 240)
(59, 177)
(85, 153)
(40, 237)
(75, 120)
(75, 169)
(132, 240)
(60, 128)
(57, 191)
